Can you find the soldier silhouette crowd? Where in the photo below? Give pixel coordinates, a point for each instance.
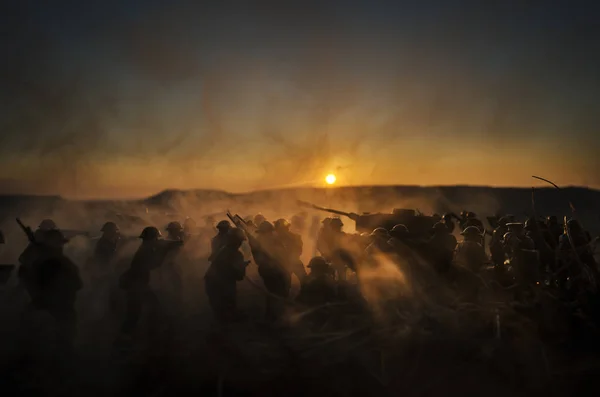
(525, 260)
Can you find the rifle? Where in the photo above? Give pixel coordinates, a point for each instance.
(239, 222)
(28, 232)
(250, 231)
(304, 204)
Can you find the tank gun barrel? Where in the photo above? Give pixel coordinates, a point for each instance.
(305, 204)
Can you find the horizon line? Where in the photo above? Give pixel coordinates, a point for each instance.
(281, 189)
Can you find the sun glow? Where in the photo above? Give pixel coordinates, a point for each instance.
(330, 179)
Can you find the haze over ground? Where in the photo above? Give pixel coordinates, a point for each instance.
(125, 99)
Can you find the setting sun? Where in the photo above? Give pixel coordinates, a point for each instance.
(330, 179)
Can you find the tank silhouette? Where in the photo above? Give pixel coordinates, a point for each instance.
(418, 224)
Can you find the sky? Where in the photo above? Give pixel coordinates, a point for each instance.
(128, 98)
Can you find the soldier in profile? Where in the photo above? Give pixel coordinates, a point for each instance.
(54, 282)
(136, 280)
(220, 240)
(226, 269)
(320, 287)
(441, 248)
(293, 246)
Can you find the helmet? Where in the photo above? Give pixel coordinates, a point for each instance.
(174, 226)
(150, 233)
(515, 226)
(318, 263)
(336, 222)
(236, 235)
(507, 237)
(471, 231)
(281, 224)
(380, 232)
(110, 227)
(265, 227)
(399, 231)
(326, 221)
(463, 214)
(223, 226)
(47, 224)
(55, 237)
(258, 219)
(440, 226)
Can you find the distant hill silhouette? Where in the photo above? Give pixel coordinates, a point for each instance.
(483, 200)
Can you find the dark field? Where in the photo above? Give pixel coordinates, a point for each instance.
(435, 347)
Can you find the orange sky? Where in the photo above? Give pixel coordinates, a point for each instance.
(240, 98)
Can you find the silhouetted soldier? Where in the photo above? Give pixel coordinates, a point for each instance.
(293, 248)
(471, 220)
(542, 239)
(319, 287)
(441, 248)
(497, 243)
(400, 240)
(556, 229)
(33, 249)
(227, 268)
(523, 259)
(55, 281)
(269, 254)
(330, 241)
(469, 259)
(107, 245)
(582, 268)
(448, 220)
(220, 239)
(379, 243)
(135, 281)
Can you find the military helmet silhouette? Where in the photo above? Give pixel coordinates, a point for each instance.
(223, 225)
(109, 227)
(150, 233)
(174, 226)
(258, 219)
(47, 224)
(336, 222)
(399, 230)
(380, 232)
(471, 231)
(282, 224)
(318, 263)
(265, 227)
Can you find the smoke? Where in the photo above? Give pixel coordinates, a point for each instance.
(259, 96)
